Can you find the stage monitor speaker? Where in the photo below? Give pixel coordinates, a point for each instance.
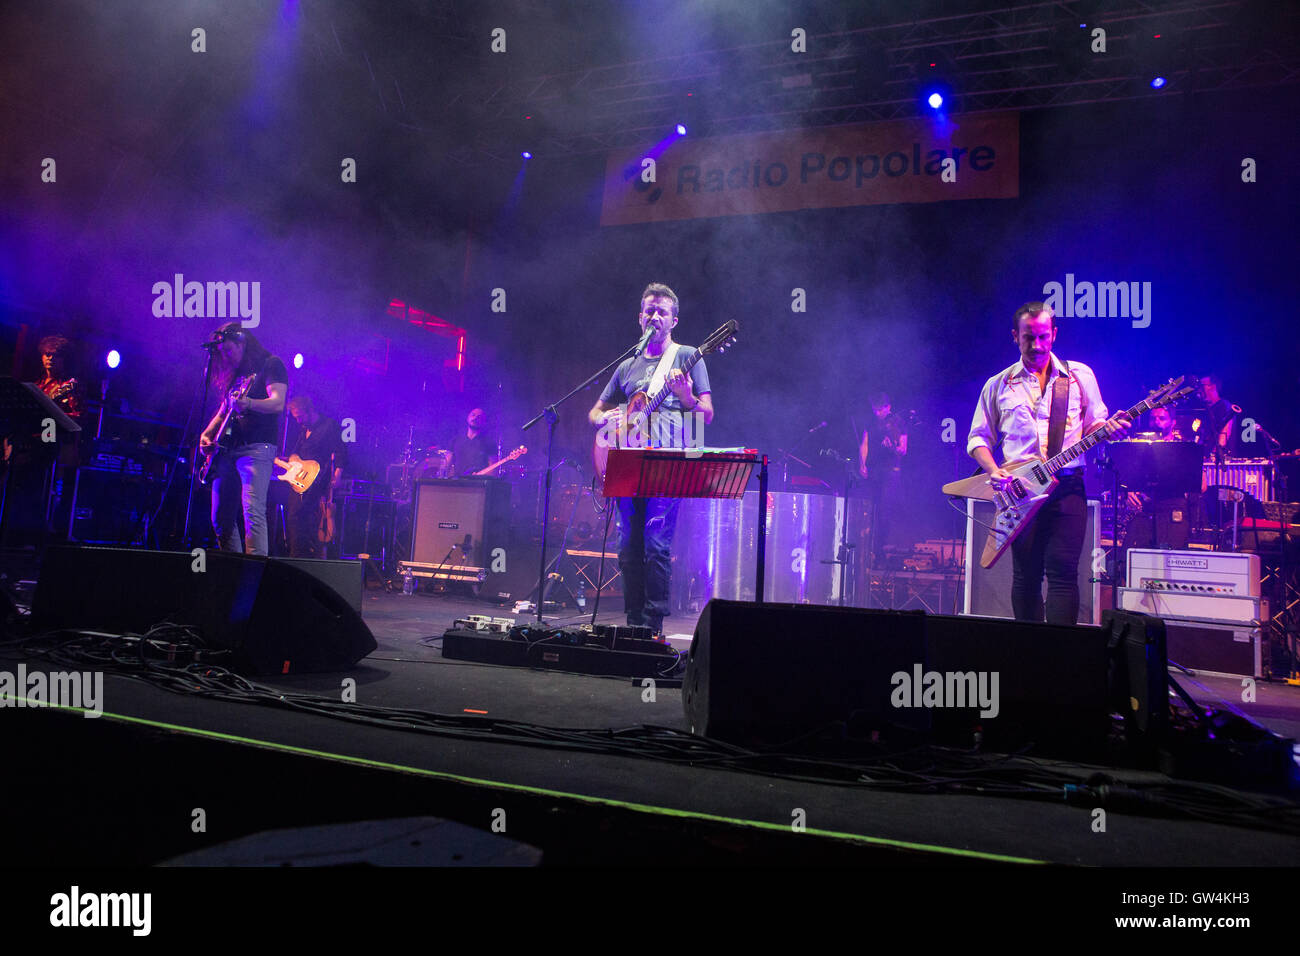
(448, 509)
(807, 678)
(275, 617)
(348, 578)
(988, 590)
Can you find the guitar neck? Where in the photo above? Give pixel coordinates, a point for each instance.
(1068, 455)
(662, 395)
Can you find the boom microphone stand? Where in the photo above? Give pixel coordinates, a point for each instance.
(551, 417)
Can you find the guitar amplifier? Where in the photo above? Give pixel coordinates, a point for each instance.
(988, 590)
(447, 509)
(1194, 585)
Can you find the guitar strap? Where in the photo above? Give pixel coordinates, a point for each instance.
(1060, 411)
(661, 370)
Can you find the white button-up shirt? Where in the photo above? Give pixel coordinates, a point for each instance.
(1014, 411)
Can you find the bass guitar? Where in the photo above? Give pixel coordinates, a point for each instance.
(1033, 479)
(217, 448)
(641, 405)
(521, 450)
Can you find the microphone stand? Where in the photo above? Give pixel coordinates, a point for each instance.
(551, 416)
(210, 348)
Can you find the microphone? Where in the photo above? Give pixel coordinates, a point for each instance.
(816, 428)
(209, 346)
(645, 339)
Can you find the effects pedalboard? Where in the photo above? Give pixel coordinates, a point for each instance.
(608, 649)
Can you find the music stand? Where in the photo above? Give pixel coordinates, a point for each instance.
(690, 473)
(24, 409)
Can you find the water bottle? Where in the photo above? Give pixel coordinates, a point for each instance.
(408, 582)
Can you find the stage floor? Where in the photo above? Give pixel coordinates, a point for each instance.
(407, 671)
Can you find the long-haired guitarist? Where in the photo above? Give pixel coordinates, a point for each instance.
(646, 525)
(1015, 413)
(243, 472)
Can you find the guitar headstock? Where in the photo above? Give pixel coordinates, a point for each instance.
(1169, 393)
(721, 339)
(521, 450)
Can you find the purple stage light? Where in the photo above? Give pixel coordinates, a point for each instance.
(297, 360)
(113, 359)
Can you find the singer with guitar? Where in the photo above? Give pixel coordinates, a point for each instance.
(1032, 410)
(320, 440)
(646, 525)
(246, 447)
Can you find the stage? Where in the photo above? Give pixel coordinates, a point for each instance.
(583, 768)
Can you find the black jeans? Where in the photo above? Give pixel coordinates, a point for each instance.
(646, 527)
(1051, 545)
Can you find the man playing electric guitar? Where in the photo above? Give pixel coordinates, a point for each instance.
(1015, 411)
(320, 440)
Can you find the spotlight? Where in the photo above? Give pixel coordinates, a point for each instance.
(1157, 82)
(935, 100)
(681, 130)
(113, 359)
(526, 155)
(297, 360)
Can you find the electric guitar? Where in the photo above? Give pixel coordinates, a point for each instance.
(298, 472)
(216, 449)
(521, 450)
(640, 406)
(1033, 479)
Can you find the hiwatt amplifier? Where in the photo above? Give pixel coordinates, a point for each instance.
(1194, 585)
(988, 590)
(449, 512)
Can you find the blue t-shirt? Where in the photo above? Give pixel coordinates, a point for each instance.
(634, 376)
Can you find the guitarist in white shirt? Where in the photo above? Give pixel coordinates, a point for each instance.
(646, 525)
(1014, 412)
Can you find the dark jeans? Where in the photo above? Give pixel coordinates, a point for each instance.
(304, 525)
(646, 527)
(1051, 545)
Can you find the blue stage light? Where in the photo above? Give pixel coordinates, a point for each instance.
(1157, 82)
(113, 359)
(681, 129)
(935, 100)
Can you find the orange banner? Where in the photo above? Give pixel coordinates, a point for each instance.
(913, 160)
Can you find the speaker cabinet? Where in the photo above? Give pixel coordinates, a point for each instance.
(275, 617)
(801, 677)
(448, 509)
(108, 507)
(988, 590)
(366, 526)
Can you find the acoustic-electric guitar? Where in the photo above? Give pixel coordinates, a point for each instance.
(641, 405)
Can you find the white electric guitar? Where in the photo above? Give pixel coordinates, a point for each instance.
(1034, 479)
